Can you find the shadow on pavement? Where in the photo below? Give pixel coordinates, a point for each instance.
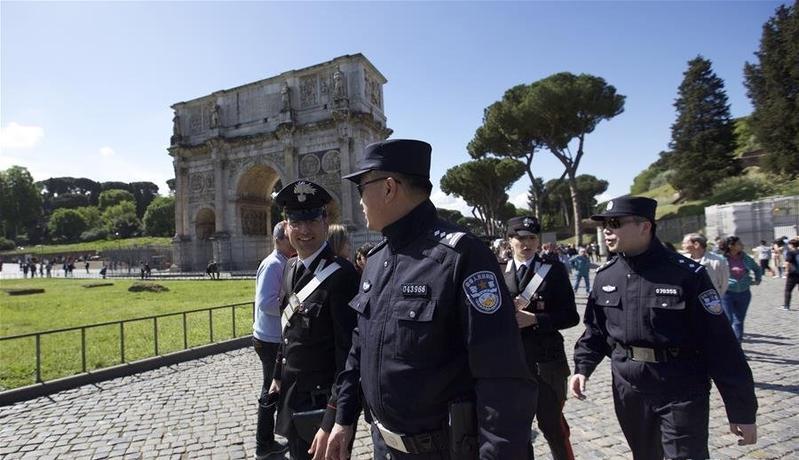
(777, 387)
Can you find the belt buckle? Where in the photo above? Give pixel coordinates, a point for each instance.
(393, 440)
(644, 354)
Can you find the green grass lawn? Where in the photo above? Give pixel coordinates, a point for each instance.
(90, 247)
(65, 303)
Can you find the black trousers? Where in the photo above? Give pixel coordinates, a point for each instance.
(265, 430)
(673, 426)
(791, 281)
(383, 452)
(549, 415)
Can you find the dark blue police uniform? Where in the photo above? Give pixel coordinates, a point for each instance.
(659, 318)
(436, 326)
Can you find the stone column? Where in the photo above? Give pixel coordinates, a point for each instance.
(179, 229)
(347, 188)
(220, 200)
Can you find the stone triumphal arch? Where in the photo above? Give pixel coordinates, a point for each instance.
(232, 148)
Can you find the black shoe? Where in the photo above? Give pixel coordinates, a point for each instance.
(274, 448)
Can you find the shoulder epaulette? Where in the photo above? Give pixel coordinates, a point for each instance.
(447, 238)
(686, 263)
(377, 247)
(607, 264)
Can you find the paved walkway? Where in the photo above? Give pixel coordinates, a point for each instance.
(207, 408)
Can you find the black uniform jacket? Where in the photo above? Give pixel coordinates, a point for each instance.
(554, 309)
(664, 301)
(436, 325)
(316, 341)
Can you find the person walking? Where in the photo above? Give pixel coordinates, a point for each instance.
(658, 317)
(791, 271)
(266, 336)
(738, 296)
(763, 253)
(581, 265)
(317, 324)
(437, 350)
(544, 302)
(695, 247)
(776, 257)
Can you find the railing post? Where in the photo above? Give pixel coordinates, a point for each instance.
(83, 348)
(155, 333)
(211, 324)
(233, 310)
(38, 359)
(122, 340)
(185, 338)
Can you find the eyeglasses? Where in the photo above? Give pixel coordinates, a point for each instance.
(615, 223)
(360, 187)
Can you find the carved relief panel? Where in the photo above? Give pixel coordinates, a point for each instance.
(254, 220)
(201, 185)
(309, 95)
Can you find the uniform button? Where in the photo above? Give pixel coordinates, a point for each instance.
(385, 263)
(319, 387)
(607, 301)
(412, 314)
(665, 304)
(286, 341)
(283, 360)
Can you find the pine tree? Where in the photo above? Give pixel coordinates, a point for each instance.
(773, 87)
(703, 137)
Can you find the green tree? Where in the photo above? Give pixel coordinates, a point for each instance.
(483, 184)
(159, 218)
(114, 197)
(92, 216)
(567, 108)
(703, 136)
(643, 181)
(508, 131)
(773, 86)
(121, 220)
(20, 201)
(144, 193)
(66, 225)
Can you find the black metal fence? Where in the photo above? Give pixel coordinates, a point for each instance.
(37, 336)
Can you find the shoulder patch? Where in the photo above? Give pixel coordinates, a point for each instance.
(482, 291)
(711, 300)
(685, 263)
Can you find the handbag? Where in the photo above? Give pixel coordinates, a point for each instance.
(307, 423)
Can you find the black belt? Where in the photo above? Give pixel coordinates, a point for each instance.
(657, 355)
(422, 443)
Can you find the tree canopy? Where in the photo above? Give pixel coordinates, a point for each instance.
(20, 202)
(113, 197)
(703, 136)
(773, 86)
(159, 219)
(483, 184)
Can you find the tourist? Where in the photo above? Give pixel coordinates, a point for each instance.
(361, 255)
(763, 253)
(738, 296)
(339, 241)
(581, 264)
(792, 271)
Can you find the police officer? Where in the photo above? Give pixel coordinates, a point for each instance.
(316, 320)
(659, 318)
(438, 353)
(545, 306)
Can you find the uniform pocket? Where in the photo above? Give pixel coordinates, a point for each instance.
(666, 311)
(360, 303)
(416, 340)
(608, 299)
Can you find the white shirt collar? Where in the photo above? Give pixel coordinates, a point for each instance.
(527, 262)
(310, 259)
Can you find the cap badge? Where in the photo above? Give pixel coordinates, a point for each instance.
(302, 189)
(610, 205)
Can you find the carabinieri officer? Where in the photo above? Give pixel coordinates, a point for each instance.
(437, 351)
(317, 323)
(545, 306)
(659, 318)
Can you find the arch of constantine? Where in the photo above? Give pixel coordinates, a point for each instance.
(232, 147)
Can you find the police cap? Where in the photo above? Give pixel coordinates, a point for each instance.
(303, 200)
(629, 206)
(523, 226)
(404, 156)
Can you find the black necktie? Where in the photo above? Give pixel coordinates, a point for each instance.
(299, 270)
(520, 273)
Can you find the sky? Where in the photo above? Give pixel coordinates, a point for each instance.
(86, 88)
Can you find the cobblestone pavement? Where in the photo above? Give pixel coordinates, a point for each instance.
(207, 408)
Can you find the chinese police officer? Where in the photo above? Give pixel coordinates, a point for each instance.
(437, 350)
(658, 317)
(317, 323)
(544, 301)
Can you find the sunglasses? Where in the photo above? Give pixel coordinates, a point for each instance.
(360, 187)
(614, 223)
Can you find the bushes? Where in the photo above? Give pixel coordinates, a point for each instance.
(741, 188)
(6, 244)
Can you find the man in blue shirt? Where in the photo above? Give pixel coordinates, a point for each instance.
(266, 336)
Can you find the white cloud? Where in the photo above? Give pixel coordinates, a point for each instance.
(442, 200)
(16, 136)
(106, 151)
(603, 197)
(520, 200)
